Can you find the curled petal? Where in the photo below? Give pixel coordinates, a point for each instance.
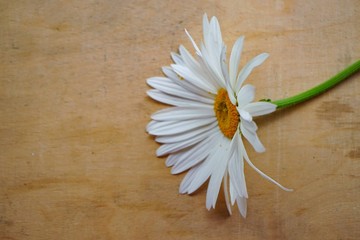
(261, 173)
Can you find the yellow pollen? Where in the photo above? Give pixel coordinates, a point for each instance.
(226, 114)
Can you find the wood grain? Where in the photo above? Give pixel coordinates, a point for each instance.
(76, 162)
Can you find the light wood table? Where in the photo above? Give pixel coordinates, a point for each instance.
(76, 162)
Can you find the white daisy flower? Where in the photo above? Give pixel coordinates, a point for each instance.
(212, 111)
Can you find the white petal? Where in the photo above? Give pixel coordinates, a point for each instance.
(196, 68)
(216, 35)
(189, 178)
(245, 72)
(212, 68)
(207, 167)
(191, 77)
(177, 58)
(245, 115)
(193, 42)
(259, 108)
(213, 44)
(235, 60)
(191, 157)
(213, 61)
(251, 126)
(172, 100)
(217, 175)
(252, 137)
(236, 167)
(205, 26)
(225, 73)
(186, 135)
(242, 206)
(183, 113)
(176, 127)
(168, 86)
(231, 94)
(224, 68)
(150, 125)
(181, 166)
(245, 95)
(226, 192)
(174, 147)
(169, 72)
(233, 193)
(239, 175)
(171, 160)
(260, 172)
(189, 61)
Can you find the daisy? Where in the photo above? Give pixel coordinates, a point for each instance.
(212, 112)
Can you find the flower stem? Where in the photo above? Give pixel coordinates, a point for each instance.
(347, 72)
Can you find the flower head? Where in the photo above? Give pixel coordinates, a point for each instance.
(212, 110)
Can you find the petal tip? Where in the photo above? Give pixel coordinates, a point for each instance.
(260, 149)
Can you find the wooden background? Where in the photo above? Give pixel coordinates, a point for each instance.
(76, 162)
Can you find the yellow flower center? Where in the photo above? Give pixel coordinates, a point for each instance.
(226, 114)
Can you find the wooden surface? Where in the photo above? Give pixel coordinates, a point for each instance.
(76, 162)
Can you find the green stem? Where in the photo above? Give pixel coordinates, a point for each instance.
(347, 72)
